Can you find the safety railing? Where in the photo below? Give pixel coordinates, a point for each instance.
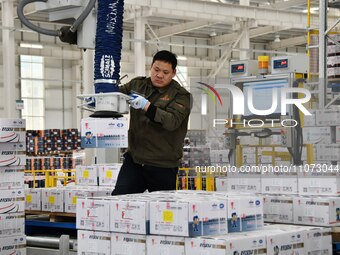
(50, 177)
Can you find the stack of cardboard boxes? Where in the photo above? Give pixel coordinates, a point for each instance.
(306, 195)
(322, 129)
(189, 222)
(12, 199)
(163, 222)
(91, 181)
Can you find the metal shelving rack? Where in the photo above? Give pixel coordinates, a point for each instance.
(324, 31)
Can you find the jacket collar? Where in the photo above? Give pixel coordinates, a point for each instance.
(163, 89)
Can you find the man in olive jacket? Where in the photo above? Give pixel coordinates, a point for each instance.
(159, 115)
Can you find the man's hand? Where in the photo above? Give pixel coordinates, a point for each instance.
(137, 101)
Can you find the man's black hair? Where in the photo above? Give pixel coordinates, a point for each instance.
(166, 56)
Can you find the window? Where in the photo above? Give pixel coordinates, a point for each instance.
(29, 45)
(182, 76)
(33, 91)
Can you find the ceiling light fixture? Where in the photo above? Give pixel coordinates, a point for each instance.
(212, 34)
(277, 38)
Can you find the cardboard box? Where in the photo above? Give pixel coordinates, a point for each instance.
(128, 244)
(236, 243)
(328, 152)
(317, 211)
(87, 175)
(105, 190)
(165, 245)
(192, 216)
(94, 242)
(250, 243)
(245, 213)
(311, 181)
(13, 123)
(52, 200)
(318, 241)
(104, 133)
(278, 209)
(12, 158)
(12, 201)
(279, 182)
(244, 182)
(314, 135)
(93, 214)
(128, 215)
(328, 117)
(221, 183)
(284, 242)
(206, 245)
(108, 174)
(71, 196)
(11, 178)
(13, 245)
(16, 147)
(12, 130)
(12, 224)
(33, 199)
(310, 120)
(12, 135)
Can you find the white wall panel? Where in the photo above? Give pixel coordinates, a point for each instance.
(30, 37)
(201, 52)
(49, 39)
(178, 50)
(126, 42)
(68, 98)
(189, 51)
(52, 63)
(68, 120)
(54, 119)
(53, 99)
(53, 75)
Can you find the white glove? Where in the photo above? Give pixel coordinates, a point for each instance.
(137, 101)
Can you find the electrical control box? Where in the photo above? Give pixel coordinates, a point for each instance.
(286, 137)
(289, 64)
(243, 68)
